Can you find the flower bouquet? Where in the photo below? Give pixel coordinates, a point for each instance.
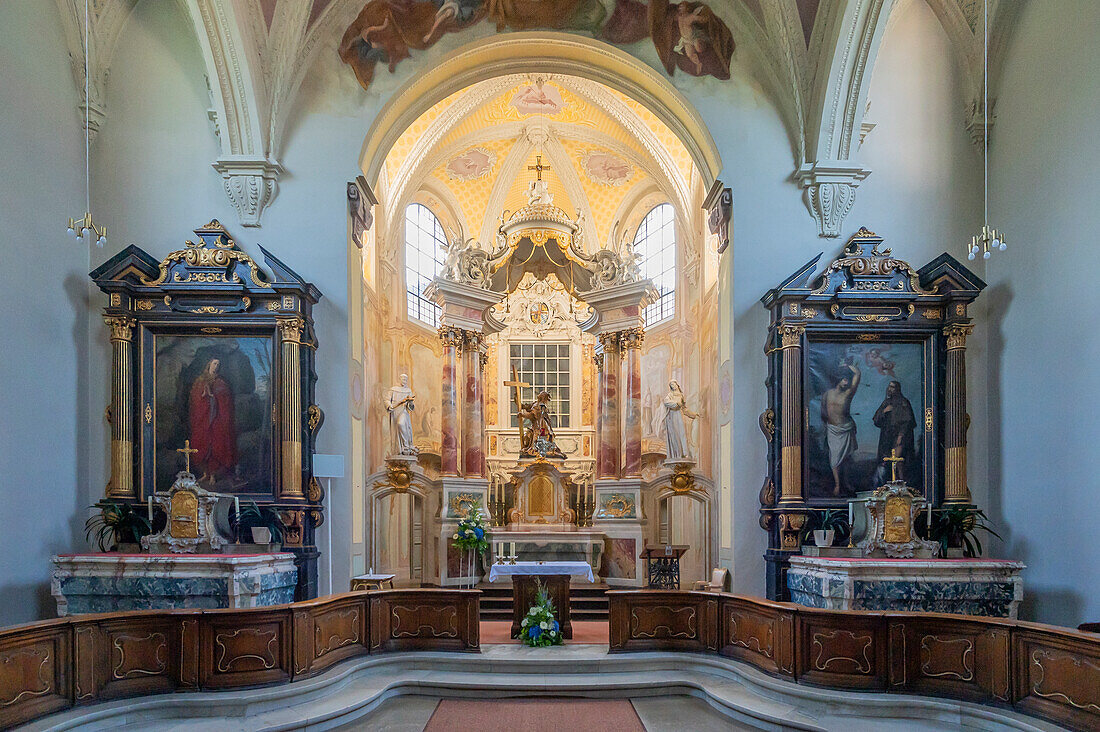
(539, 628)
(471, 534)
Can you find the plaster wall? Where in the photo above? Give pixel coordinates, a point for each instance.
(44, 298)
(1043, 346)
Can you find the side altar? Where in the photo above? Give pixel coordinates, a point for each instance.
(867, 412)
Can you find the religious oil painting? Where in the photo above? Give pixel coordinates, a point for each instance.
(863, 402)
(215, 392)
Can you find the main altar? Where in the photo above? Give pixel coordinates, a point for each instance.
(540, 417)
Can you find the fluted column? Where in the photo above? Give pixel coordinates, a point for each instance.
(291, 330)
(608, 448)
(955, 418)
(632, 401)
(790, 337)
(452, 341)
(122, 407)
(473, 419)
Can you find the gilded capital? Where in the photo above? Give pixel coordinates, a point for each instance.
(597, 358)
(471, 340)
(790, 336)
(291, 329)
(610, 340)
(956, 335)
(122, 327)
(633, 338)
(451, 336)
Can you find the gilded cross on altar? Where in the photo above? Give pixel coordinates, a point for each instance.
(893, 460)
(538, 167)
(187, 451)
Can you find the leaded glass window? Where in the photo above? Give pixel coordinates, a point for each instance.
(425, 245)
(655, 242)
(544, 366)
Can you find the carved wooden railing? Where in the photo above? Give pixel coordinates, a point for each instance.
(1038, 670)
(55, 664)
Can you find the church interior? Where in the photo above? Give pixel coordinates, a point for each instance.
(378, 348)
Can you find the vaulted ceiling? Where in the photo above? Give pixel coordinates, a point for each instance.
(812, 57)
(476, 150)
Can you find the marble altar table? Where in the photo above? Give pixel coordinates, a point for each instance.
(990, 587)
(554, 576)
(551, 544)
(92, 583)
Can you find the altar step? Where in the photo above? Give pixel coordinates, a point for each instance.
(586, 602)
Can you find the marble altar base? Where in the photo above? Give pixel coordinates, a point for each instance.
(581, 545)
(989, 587)
(93, 583)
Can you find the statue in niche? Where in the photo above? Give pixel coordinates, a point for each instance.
(399, 403)
(672, 412)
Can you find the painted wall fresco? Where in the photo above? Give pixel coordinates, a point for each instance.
(688, 36)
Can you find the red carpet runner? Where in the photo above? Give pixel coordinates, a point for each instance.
(535, 715)
(584, 631)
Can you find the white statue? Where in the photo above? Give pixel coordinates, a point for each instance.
(399, 403)
(538, 194)
(672, 412)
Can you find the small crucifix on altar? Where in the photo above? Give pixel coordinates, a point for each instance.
(187, 451)
(893, 460)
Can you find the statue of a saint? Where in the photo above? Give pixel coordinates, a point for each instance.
(538, 439)
(538, 194)
(399, 403)
(672, 413)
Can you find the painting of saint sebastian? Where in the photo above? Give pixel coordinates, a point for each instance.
(213, 423)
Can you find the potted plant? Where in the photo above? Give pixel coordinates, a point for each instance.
(265, 525)
(117, 527)
(825, 526)
(472, 536)
(957, 528)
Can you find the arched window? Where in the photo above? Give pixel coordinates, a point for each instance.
(425, 243)
(655, 242)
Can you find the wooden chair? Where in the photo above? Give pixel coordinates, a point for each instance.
(719, 581)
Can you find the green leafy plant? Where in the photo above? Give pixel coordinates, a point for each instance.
(253, 516)
(959, 527)
(539, 627)
(116, 523)
(831, 519)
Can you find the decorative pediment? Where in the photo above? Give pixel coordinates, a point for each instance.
(215, 259)
(864, 268)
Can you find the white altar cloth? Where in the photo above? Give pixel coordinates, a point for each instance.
(572, 569)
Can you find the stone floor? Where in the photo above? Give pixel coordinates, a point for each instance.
(658, 714)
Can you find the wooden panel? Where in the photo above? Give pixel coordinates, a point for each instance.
(35, 672)
(329, 633)
(1057, 676)
(945, 656)
(245, 648)
(842, 650)
(757, 633)
(424, 619)
(663, 620)
(137, 656)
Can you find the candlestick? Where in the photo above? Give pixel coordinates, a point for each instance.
(150, 503)
(929, 520)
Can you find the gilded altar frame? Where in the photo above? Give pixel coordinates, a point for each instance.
(866, 298)
(212, 292)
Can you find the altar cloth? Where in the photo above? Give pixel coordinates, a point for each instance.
(570, 568)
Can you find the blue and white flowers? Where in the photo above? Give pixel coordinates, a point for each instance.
(539, 627)
(471, 533)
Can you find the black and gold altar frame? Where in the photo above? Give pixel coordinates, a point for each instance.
(212, 289)
(866, 295)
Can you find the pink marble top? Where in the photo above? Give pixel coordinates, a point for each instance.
(146, 555)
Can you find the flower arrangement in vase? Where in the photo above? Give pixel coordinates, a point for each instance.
(471, 534)
(539, 628)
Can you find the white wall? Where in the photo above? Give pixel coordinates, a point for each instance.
(43, 272)
(1044, 349)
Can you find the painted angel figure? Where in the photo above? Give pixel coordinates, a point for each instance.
(672, 413)
(399, 403)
